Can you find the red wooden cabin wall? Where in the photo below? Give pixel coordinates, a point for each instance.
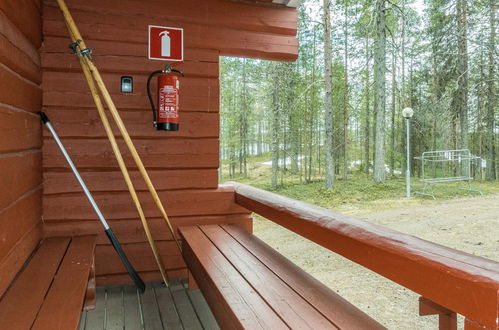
(183, 165)
(20, 138)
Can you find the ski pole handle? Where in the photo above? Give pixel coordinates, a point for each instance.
(131, 271)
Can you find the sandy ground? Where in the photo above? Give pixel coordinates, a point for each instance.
(470, 225)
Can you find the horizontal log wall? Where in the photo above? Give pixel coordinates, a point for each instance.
(20, 136)
(184, 164)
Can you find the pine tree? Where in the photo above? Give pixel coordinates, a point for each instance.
(380, 95)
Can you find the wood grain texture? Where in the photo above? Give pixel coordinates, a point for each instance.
(21, 303)
(62, 306)
(156, 154)
(68, 91)
(18, 254)
(343, 314)
(131, 231)
(68, 124)
(22, 11)
(238, 16)
(456, 280)
(64, 62)
(118, 205)
(182, 164)
(235, 304)
(20, 135)
(73, 82)
(58, 44)
(246, 31)
(18, 219)
(18, 91)
(65, 182)
(298, 299)
(20, 130)
(17, 52)
(124, 278)
(289, 305)
(140, 255)
(21, 172)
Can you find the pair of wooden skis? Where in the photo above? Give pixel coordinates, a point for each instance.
(98, 89)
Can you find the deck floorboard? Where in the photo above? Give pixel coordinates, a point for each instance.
(160, 307)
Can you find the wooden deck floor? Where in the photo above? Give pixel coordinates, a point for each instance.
(159, 307)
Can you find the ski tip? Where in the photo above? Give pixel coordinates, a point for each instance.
(44, 117)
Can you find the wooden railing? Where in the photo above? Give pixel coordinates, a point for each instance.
(449, 281)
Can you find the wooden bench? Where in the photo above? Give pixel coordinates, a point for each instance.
(250, 285)
(50, 291)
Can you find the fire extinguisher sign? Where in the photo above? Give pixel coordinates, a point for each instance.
(166, 43)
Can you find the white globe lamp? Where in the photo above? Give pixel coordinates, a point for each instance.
(407, 113)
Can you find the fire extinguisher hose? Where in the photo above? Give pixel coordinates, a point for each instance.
(153, 108)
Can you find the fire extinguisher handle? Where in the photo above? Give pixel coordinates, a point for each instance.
(150, 96)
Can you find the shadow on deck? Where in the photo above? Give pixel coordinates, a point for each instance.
(159, 307)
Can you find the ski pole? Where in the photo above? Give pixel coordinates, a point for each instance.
(107, 229)
(120, 160)
(85, 54)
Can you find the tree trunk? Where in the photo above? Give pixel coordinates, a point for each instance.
(275, 127)
(394, 91)
(462, 81)
(345, 100)
(328, 104)
(380, 96)
(367, 128)
(480, 91)
(491, 153)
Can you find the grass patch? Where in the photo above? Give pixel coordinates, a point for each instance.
(360, 190)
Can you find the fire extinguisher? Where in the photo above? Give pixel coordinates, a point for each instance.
(165, 116)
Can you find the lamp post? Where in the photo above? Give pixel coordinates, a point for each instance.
(408, 113)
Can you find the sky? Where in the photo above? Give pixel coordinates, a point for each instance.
(316, 13)
(419, 6)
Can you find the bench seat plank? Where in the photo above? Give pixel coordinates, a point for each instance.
(63, 303)
(292, 308)
(331, 305)
(21, 303)
(235, 304)
(214, 252)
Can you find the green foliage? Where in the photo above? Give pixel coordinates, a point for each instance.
(424, 47)
(361, 190)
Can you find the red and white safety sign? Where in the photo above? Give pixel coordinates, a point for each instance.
(166, 43)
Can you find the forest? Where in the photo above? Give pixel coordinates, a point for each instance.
(336, 111)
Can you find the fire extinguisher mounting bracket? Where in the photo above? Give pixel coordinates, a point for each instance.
(168, 69)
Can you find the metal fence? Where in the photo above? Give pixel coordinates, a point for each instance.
(447, 166)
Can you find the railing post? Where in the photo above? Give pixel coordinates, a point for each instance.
(447, 319)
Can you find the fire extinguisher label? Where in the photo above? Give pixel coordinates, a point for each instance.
(168, 104)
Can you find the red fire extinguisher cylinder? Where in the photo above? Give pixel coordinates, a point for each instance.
(167, 109)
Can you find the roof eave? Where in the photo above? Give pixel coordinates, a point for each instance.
(288, 3)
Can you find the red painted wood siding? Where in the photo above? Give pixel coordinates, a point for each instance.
(20, 136)
(184, 164)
